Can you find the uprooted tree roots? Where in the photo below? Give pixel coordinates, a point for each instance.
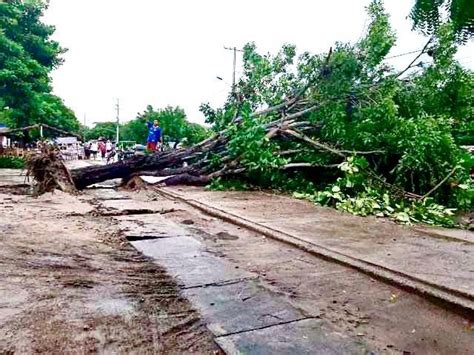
(49, 172)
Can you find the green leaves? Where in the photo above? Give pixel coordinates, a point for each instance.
(426, 16)
(27, 56)
(355, 193)
(250, 147)
(412, 124)
(102, 129)
(173, 122)
(11, 162)
(380, 38)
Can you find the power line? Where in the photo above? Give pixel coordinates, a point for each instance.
(403, 54)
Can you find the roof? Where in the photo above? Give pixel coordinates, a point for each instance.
(66, 140)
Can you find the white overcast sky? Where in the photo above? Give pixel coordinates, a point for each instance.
(169, 52)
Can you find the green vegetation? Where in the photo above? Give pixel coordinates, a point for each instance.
(11, 162)
(101, 129)
(368, 139)
(426, 16)
(172, 121)
(27, 56)
(400, 131)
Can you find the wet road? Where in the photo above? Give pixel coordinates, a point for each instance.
(259, 295)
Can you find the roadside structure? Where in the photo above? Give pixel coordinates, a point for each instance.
(10, 146)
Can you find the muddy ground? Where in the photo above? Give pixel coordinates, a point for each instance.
(70, 283)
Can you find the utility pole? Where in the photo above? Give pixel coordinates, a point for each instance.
(235, 50)
(117, 108)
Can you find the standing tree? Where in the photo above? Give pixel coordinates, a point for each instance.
(101, 129)
(28, 55)
(172, 121)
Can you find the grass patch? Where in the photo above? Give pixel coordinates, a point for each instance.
(12, 163)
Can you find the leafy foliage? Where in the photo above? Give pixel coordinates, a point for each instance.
(251, 147)
(27, 56)
(11, 162)
(107, 130)
(413, 122)
(173, 122)
(357, 193)
(221, 184)
(427, 16)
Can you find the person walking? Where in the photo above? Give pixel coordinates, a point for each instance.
(108, 146)
(102, 149)
(87, 150)
(111, 153)
(154, 135)
(94, 149)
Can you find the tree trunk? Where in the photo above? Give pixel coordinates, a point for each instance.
(123, 169)
(84, 177)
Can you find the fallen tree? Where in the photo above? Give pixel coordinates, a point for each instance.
(341, 128)
(197, 170)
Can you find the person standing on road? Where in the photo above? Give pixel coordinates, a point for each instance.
(102, 149)
(94, 148)
(87, 150)
(111, 153)
(108, 146)
(154, 135)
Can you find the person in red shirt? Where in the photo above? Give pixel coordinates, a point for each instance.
(102, 149)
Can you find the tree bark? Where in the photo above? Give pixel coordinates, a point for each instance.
(90, 175)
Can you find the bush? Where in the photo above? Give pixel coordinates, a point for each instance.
(12, 163)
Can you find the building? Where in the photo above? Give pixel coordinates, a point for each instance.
(66, 140)
(4, 141)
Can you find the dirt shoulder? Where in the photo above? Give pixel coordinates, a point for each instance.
(69, 281)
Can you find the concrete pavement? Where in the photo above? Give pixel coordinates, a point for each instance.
(441, 266)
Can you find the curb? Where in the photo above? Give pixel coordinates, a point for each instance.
(462, 301)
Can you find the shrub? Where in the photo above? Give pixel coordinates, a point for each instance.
(12, 163)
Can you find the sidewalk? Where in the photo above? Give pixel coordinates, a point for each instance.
(439, 264)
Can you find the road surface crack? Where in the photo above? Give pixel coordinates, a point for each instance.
(266, 326)
(220, 283)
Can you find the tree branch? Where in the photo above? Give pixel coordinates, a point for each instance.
(440, 183)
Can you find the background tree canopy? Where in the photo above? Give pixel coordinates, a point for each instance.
(27, 56)
(172, 121)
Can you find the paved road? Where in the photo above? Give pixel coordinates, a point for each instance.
(437, 263)
(258, 295)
